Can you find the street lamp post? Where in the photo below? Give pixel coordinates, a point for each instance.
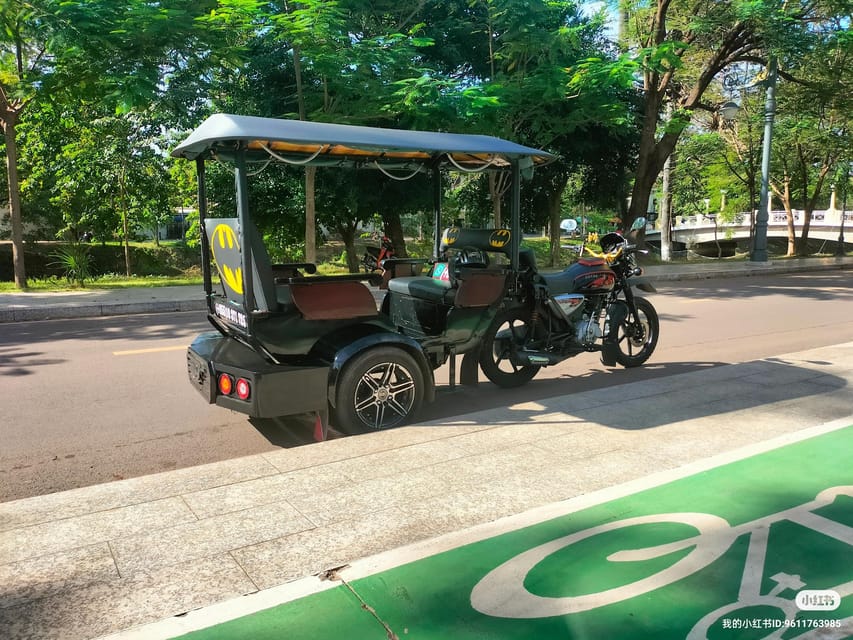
(759, 246)
(839, 250)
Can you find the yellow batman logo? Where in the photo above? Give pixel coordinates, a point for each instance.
(234, 279)
(226, 249)
(225, 237)
(451, 235)
(499, 238)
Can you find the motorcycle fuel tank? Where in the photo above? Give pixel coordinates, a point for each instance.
(584, 276)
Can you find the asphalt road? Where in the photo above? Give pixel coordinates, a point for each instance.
(95, 400)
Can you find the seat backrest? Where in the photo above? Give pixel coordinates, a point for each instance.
(223, 236)
(480, 288)
(493, 240)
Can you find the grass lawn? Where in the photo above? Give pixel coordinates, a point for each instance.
(103, 282)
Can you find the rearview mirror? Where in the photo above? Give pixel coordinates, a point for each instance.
(568, 225)
(639, 223)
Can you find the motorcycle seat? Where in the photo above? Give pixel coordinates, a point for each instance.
(592, 262)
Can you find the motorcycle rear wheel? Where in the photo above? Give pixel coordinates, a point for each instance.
(637, 337)
(508, 332)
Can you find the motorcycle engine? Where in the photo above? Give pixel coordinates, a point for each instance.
(588, 331)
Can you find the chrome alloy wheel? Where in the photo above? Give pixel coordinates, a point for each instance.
(384, 395)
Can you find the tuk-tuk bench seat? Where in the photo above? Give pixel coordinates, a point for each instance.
(333, 300)
(470, 288)
(424, 288)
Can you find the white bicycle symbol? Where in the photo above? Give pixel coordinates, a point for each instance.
(501, 593)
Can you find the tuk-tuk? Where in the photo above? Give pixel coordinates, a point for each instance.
(288, 341)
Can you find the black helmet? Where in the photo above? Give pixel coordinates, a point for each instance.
(611, 241)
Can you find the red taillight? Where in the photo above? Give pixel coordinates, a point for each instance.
(244, 390)
(226, 384)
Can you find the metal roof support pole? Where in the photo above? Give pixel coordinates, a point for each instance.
(202, 218)
(515, 214)
(436, 204)
(242, 185)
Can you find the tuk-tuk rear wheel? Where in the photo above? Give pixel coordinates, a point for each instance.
(379, 389)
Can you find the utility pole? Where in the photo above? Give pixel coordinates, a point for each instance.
(759, 247)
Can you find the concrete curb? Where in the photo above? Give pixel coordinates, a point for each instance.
(98, 310)
(47, 310)
(665, 274)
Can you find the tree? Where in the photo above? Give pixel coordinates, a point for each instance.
(816, 129)
(516, 84)
(321, 61)
(679, 47)
(52, 50)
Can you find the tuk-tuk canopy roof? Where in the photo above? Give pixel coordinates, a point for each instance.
(318, 143)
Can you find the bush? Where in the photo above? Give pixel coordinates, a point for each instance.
(42, 260)
(75, 261)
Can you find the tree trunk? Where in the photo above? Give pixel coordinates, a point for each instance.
(125, 227)
(348, 234)
(10, 120)
(394, 230)
(498, 183)
(310, 172)
(652, 157)
(803, 245)
(789, 211)
(310, 216)
(555, 197)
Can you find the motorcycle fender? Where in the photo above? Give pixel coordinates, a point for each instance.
(643, 284)
(617, 312)
(346, 353)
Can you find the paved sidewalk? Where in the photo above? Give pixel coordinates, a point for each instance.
(102, 559)
(17, 307)
(40, 305)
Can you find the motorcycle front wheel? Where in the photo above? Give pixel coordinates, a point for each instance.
(637, 336)
(507, 333)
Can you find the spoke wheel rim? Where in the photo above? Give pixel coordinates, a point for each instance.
(502, 350)
(636, 335)
(384, 395)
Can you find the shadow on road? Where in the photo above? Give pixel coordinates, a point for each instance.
(702, 392)
(664, 393)
(17, 361)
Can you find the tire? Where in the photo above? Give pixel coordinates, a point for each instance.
(497, 346)
(637, 337)
(378, 389)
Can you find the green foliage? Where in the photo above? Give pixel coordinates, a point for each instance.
(75, 261)
(100, 81)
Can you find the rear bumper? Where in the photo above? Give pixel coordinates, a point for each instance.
(276, 390)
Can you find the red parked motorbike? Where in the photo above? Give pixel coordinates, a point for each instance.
(373, 256)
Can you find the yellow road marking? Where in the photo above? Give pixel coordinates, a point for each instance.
(134, 352)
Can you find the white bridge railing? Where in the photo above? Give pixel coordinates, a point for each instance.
(822, 217)
(825, 224)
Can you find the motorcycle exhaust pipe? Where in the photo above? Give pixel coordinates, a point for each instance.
(535, 358)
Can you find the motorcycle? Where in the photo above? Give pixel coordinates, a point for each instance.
(373, 256)
(590, 306)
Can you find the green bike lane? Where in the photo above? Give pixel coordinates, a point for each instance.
(720, 553)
